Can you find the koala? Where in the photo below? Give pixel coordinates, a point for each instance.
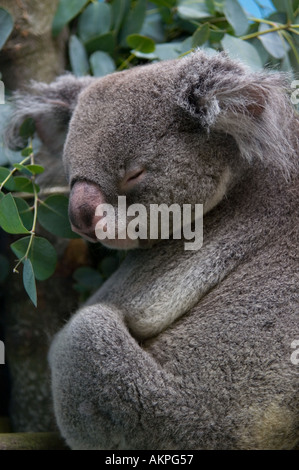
(180, 349)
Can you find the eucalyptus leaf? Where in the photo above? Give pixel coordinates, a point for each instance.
(6, 26)
(53, 216)
(78, 57)
(41, 254)
(105, 42)
(25, 185)
(66, 11)
(29, 281)
(25, 212)
(164, 3)
(27, 128)
(101, 64)
(10, 220)
(286, 6)
(274, 43)
(22, 169)
(201, 35)
(119, 9)
(94, 21)
(141, 43)
(168, 51)
(193, 10)
(242, 50)
(133, 21)
(153, 27)
(10, 184)
(236, 16)
(35, 169)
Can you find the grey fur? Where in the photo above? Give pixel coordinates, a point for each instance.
(187, 350)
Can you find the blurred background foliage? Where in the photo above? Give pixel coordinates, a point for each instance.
(113, 35)
(108, 36)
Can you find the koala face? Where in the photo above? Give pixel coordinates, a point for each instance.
(177, 132)
(129, 136)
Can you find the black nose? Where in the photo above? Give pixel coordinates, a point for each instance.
(81, 216)
(84, 199)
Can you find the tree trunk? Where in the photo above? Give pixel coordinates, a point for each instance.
(31, 53)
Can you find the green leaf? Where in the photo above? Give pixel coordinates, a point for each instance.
(236, 16)
(242, 50)
(133, 21)
(286, 6)
(66, 11)
(193, 10)
(168, 50)
(53, 216)
(6, 26)
(276, 45)
(25, 212)
(27, 128)
(101, 64)
(164, 3)
(41, 254)
(29, 281)
(35, 169)
(201, 35)
(171, 50)
(26, 152)
(141, 43)
(153, 27)
(10, 184)
(106, 43)
(4, 268)
(25, 185)
(94, 21)
(216, 35)
(78, 57)
(10, 219)
(22, 168)
(119, 8)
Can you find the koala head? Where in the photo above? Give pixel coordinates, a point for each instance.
(181, 131)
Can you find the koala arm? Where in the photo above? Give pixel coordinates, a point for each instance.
(102, 379)
(152, 288)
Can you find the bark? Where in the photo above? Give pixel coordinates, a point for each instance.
(31, 52)
(32, 441)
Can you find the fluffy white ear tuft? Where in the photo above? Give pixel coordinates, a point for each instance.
(254, 107)
(50, 106)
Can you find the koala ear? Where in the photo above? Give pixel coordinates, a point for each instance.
(226, 96)
(50, 106)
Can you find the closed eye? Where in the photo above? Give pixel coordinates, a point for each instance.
(132, 178)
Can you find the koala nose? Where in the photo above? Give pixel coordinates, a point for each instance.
(84, 199)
